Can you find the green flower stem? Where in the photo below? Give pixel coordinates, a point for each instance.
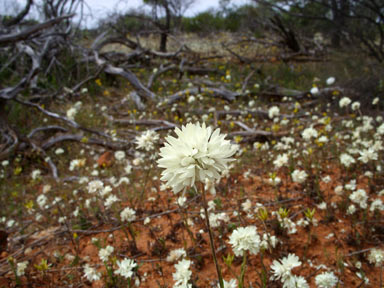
(243, 268)
(221, 282)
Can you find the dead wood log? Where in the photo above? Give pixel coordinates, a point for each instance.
(31, 31)
(10, 92)
(137, 100)
(87, 141)
(46, 128)
(133, 80)
(158, 72)
(221, 93)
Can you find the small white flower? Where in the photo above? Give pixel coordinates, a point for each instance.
(377, 205)
(359, 197)
(71, 113)
(91, 274)
(322, 206)
(281, 160)
(119, 155)
(309, 133)
(247, 205)
(330, 80)
(347, 160)
(182, 274)
(369, 154)
(229, 284)
(176, 254)
(181, 201)
(104, 253)
(128, 169)
(128, 215)
(59, 151)
(326, 280)
(282, 269)
(110, 201)
(376, 256)
(314, 90)
(147, 220)
(147, 140)
(95, 186)
(216, 218)
(20, 268)
(191, 99)
(41, 201)
(126, 268)
(351, 209)
(299, 176)
(296, 282)
(273, 112)
(245, 239)
(326, 179)
(197, 154)
(36, 174)
(344, 102)
(355, 106)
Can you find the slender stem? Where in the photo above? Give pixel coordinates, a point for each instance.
(243, 267)
(221, 282)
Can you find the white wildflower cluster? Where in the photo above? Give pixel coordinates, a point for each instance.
(309, 133)
(111, 199)
(355, 106)
(21, 267)
(147, 140)
(128, 215)
(42, 201)
(97, 187)
(282, 270)
(126, 268)
(119, 155)
(368, 155)
(347, 160)
(331, 80)
(359, 197)
(376, 205)
(273, 112)
(245, 239)
(281, 161)
(215, 219)
(176, 254)
(314, 90)
(229, 284)
(104, 253)
(36, 174)
(76, 163)
(182, 274)
(299, 176)
(268, 241)
(71, 112)
(286, 223)
(198, 153)
(326, 280)
(344, 102)
(91, 273)
(376, 257)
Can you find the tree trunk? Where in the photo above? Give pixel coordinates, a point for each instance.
(163, 41)
(165, 31)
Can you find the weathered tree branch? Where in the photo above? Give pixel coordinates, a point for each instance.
(31, 31)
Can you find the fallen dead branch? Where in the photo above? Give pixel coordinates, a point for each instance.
(216, 92)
